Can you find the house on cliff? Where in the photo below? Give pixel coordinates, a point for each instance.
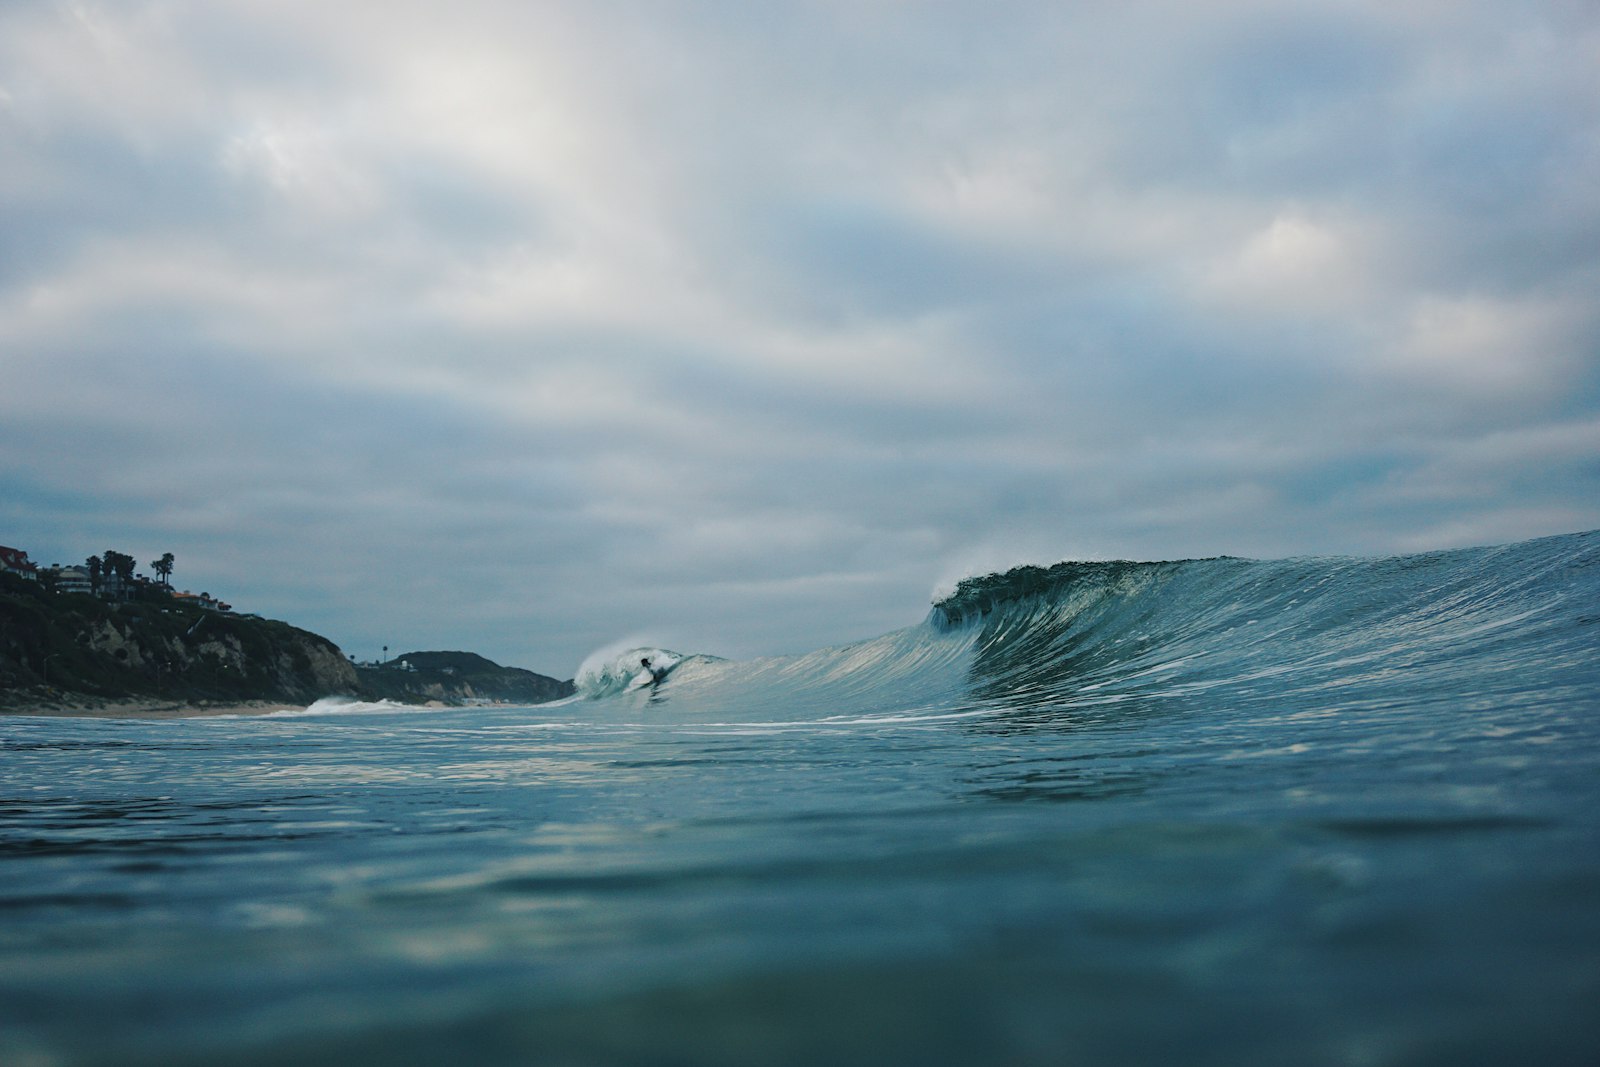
(15, 561)
(201, 600)
(72, 580)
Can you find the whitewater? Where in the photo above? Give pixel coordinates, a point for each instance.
(1222, 811)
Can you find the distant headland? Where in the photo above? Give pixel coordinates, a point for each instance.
(99, 637)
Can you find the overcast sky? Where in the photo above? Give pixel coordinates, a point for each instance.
(743, 327)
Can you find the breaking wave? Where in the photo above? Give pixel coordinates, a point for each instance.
(1092, 635)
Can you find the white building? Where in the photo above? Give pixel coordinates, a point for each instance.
(72, 580)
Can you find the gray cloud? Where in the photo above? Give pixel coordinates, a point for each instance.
(744, 328)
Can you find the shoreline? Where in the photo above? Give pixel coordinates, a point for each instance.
(145, 708)
(76, 706)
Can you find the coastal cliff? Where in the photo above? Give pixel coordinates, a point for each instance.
(64, 646)
(457, 678)
(66, 650)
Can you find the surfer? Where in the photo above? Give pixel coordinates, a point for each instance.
(655, 675)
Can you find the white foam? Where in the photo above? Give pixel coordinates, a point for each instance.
(351, 706)
(609, 671)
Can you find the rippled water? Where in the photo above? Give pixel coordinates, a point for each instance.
(1356, 865)
(508, 887)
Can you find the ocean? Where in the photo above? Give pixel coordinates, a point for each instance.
(1314, 811)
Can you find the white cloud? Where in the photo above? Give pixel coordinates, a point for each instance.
(306, 163)
(1511, 349)
(1294, 265)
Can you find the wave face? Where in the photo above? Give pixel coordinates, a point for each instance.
(1324, 632)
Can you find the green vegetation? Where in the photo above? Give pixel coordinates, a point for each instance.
(132, 638)
(457, 678)
(60, 645)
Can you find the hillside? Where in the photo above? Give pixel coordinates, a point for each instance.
(457, 678)
(57, 646)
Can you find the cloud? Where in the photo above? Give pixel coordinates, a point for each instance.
(532, 325)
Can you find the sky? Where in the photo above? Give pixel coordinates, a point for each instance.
(529, 328)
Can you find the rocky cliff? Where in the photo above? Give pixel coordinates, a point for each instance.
(53, 644)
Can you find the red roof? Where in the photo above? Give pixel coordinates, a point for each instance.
(16, 559)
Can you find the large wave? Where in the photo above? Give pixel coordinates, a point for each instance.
(1089, 636)
(1273, 629)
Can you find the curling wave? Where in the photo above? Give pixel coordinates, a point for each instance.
(1292, 633)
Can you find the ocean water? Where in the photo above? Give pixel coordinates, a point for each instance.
(1324, 811)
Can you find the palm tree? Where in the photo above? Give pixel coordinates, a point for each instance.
(122, 565)
(116, 573)
(94, 573)
(163, 569)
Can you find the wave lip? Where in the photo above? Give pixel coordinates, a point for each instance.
(977, 597)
